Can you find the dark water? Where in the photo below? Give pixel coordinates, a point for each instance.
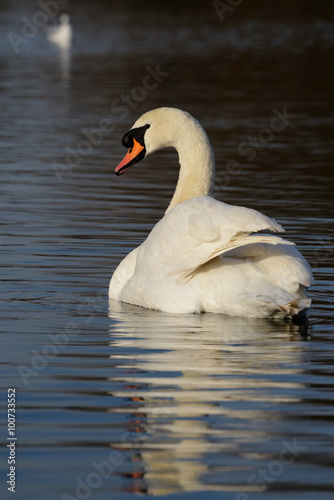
(120, 401)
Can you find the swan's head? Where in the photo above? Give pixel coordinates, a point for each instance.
(156, 129)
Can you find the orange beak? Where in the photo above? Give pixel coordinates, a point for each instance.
(134, 155)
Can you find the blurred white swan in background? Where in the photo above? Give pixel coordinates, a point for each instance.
(61, 34)
(201, 256)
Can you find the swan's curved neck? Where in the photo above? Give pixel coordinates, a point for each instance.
(197, 162)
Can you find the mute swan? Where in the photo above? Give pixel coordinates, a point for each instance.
(62, 34)
(201, 256)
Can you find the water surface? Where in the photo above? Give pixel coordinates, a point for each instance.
(121, 401)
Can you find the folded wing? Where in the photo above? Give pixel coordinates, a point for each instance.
(200, 229)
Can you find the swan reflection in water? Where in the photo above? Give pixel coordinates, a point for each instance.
(201, 394)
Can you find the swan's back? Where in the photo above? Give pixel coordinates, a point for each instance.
(202, 257)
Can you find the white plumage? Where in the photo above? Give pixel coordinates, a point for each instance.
(202, 256)
(61, 35)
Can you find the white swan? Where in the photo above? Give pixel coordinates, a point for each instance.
(62, 34)
(201, 256)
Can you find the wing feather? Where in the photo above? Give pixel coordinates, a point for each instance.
(197, 230)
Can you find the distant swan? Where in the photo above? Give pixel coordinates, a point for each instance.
(201, 256)
(62, 34)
